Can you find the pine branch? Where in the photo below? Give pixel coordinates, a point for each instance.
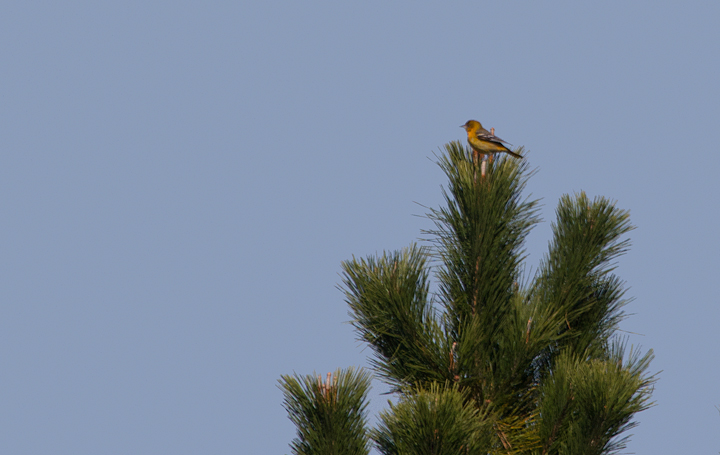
(330, 417)
(479, 240)
(587, 405)
(574, 285)
(479, 236)
(390, 309)
(439, 420)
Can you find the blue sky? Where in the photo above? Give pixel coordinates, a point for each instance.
(180, 181)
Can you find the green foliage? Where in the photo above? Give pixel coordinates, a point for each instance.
(488, 363)
(575, 281)
(479, 237)
(388, 298)
(585, 404)
(439, 420)
(330, 417)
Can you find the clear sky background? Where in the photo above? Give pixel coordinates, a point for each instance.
(180, 181)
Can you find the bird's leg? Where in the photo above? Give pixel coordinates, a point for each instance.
(492, 155)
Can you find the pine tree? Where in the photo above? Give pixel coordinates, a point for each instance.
(490, 362)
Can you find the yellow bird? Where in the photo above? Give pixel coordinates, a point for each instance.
(484, 142)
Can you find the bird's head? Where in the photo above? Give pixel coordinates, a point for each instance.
(471, 125)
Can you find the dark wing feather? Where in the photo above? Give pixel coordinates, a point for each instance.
(486, 136)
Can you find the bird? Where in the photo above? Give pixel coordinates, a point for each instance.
(484, 142)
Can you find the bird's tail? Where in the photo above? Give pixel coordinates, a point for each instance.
(513, 154)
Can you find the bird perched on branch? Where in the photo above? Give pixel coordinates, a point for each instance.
(484, 142)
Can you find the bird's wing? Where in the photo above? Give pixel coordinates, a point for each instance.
(486, 136)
